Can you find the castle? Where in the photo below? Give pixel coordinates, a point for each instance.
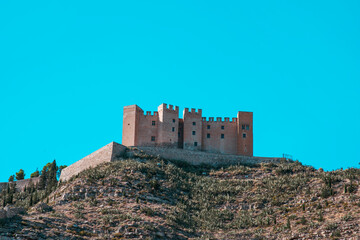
(164, 128)
(192, 139)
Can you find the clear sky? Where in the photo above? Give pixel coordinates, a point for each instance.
(67, 68)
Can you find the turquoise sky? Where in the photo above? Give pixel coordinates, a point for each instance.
(68, 67)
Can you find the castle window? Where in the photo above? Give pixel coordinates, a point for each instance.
(193, 133)
(195, 144)
(222, 135)
(208, 126)
(194, 123)
(208, 135)
(153, 138)
(244, 135)
(173, 129)
(173, 120)
(222, 127)
(153, 123)
(247, 127)
(243, 127)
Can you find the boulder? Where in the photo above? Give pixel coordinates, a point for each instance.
(13, 211)
(43, 207)
(2, 214)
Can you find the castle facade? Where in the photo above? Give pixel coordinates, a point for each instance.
(164, 128)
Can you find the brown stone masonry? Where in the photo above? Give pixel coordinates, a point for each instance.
(20, 184)
(164, 128)
(114, 151)
(108, 153)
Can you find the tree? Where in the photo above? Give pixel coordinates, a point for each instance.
(60, 170)
(31, 200)
(20, 175)
(35, 174)
(43, 178)
(11, 178)
(48, 179)
(52, 180)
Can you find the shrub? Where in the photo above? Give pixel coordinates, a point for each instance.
(148, 211)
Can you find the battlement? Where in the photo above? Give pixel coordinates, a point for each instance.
(149, 113)
(220, 120)
(170, 108)
(192, 112)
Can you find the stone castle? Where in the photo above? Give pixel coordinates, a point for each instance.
(164, 128)
(192, 139)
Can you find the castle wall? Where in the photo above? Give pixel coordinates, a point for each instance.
(21, 184)
(219, 136)
(245, 136)
(198, 157)
(192, 129)
(147, 130)
(108, 153)
(3, 185)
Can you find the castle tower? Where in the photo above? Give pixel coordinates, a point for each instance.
(131, 120)
(245, 133)
(168, 126)
(192, 131)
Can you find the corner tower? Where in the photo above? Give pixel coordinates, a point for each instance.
(131, 120)
(245, 133)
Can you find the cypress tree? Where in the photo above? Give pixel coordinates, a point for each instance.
(35, 198)
(43, 178)
(31, 200)
(52, 182)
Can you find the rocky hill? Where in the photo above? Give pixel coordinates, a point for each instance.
(151, 198)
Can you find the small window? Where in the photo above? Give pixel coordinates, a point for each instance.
(247, 127)
(244, 135)
(222, 127)
(208, 126)
(194, 123)
(243, 127)
(195, 144)
(173, 129)
(173, 120)
(208, 135)
(179, 134)
(193, 133)
(153, 138)
(222, 135)
(153, 123)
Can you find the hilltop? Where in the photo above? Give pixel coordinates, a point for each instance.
(152, 198)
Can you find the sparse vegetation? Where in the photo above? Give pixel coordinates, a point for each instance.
(173, 200)
(31, 194)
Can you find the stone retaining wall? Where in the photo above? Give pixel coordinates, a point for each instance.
(20, 184)
(198, 157)
(108, 153)
(115, 151)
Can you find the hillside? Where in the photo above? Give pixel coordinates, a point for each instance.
(156, 199)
